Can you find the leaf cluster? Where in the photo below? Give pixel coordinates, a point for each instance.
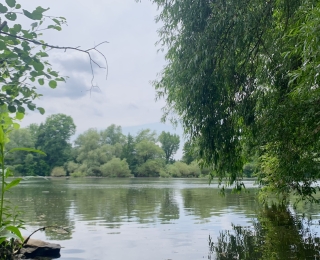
(23, 63)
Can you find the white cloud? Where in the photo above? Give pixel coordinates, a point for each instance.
(126, 98)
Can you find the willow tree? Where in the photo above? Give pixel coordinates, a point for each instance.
(244, 74)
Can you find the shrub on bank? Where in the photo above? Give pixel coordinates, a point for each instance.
(77, 174)
(115, 168)
(151, 168)
(58, 172)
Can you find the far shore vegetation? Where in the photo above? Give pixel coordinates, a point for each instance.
(104, 153)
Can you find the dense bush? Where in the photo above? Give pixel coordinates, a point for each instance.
(58, 172)
(194, 170)
(151, 168)
(115, 168)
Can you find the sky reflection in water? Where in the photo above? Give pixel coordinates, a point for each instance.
(137, 218)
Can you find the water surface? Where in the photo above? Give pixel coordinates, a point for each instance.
(136, 218)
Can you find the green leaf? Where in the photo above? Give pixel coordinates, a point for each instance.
(9, 235)
(56, 21)
(8, 173)
(11, 16)
(31, 106)
(40, 10)
(54, 73)
(11, 3)
(58, 28)
(25, 46)
(16, 126)
(19, 116)
(26, 149)
(21, 109)
(61, 79)
(38, 66)
(41, 110)
(34, 25)
(41, 81)
(43, 54)
(33, 15)
(18, 6)
(36, 14)
(3, 9)
(2, 139)
(13, 183)
(2, 45)
(52, 84)
(15, 231)
(35, 74)
(12, 109)
(17, 27)
(27, 13)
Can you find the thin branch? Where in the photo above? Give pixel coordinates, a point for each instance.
(65, 48)
(42, 229)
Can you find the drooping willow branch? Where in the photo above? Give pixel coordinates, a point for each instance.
(87, 51)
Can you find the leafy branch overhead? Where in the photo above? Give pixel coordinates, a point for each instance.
(24, 56)
(243, 79)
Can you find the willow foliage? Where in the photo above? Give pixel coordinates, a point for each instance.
(245, 74)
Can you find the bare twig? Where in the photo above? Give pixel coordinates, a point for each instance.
(42, 229)
(65, 48)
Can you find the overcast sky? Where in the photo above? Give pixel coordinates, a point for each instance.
(127, 97)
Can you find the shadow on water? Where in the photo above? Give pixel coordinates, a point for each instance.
(277, 233)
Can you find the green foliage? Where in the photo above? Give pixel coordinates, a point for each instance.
(276, 234)
(173, 171)
(250, 168)
(53, 138)
(146, 150)
(246, 76)
(93, 154)
(147, 135)
(71, 167)
(169, 144)
(112, 135)
(22, 65)
(58, 172)
(150, 168)
(189, 154)
(9, 222)
(87, 141)
(128, 152)
(116, 168)
(21, 160)
(181, 169)
(194, 170)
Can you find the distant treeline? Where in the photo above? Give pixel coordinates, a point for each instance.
(105, 153)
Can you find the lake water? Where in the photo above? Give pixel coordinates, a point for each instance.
(142, 219)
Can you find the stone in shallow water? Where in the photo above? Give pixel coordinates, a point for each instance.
(39, 248)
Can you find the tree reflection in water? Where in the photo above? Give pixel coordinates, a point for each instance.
(276, 234)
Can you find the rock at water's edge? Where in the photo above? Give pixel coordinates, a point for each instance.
(36, 248)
